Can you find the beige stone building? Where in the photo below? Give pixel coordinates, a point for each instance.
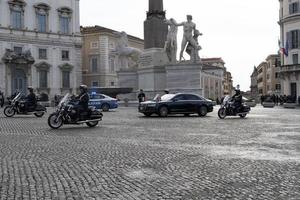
(289, 21)
(216, 80)
(99, 66)
(268, 76)
(253, 86)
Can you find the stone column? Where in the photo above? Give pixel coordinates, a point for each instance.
(155, 30)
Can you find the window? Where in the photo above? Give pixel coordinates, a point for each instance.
(42, 22)
(294, 8)
(295, 59)
(65, 55)
(94, 65)
(64, 25)
(278, 87)
(42, 54)
(42, 12)
(112, 83)
(43, 78)
(179, 98)
(268, 76)
(94, 45)
(95, 84)
(293, 39)
(66, 79)
(65, 15)
(18, 50)
(276, 75)
(16, 17)
(111, 65)
(192, 97)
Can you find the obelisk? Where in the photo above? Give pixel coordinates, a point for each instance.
(155, 30)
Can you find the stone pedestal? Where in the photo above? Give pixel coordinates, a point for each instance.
(153, 57)
(184, 78)
(155, 74)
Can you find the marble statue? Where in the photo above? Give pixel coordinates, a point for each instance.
(189, 28)
(194, 52)
(171, 43)
(124, 52)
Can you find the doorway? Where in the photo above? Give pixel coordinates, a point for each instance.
(294, 90)
(19, 81)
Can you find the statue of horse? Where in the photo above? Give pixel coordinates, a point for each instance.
(124, 51)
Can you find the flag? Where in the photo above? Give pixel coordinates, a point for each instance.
(286, 49)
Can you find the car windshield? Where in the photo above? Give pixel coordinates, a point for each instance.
(167, 97)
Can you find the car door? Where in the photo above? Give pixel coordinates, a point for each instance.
(177, 104)
(192, 103)
(95, 101)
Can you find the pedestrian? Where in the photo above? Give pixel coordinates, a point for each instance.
(141, 96)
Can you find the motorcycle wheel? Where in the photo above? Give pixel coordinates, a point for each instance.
(243, 115)
(92, 124)
(222, 113)
(39, 114)
(54, 122)
(9, 111)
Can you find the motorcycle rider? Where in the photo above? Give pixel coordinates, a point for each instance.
(31, 101)
(237, 99)
(1, 99)
(83, 103)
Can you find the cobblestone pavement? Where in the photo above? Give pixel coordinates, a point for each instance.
(132, 157)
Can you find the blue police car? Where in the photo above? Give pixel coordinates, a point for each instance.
(103, 102)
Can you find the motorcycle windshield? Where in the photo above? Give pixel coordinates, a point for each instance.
(64, 100)
(17, 97)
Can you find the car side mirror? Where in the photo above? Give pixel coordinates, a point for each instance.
(175, 100)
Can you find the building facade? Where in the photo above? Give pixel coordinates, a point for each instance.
(216, 80)
(99, 65)
(40, 46)
(253, 86)
(268, 77)
(289, 21)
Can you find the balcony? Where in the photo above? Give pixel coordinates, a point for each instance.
(290, 68)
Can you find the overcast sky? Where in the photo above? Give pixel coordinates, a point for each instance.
(242, 32)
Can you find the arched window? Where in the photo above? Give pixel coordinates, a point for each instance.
(65, 16)
(42, 17)
(17, 13)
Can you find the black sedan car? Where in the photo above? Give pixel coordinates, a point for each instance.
(177, 104)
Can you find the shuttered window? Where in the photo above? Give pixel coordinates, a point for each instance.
(293, 39)
(294, 8)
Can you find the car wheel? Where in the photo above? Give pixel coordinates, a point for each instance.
(243, 115)
(202, 111)
(148, 114)
(163, 111)
(105, 107)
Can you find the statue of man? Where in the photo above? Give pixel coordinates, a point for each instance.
(188, 28)
(171, 43)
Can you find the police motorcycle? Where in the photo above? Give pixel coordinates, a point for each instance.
(1, 99)
(228, 109)
(17, 106)
(66, 114)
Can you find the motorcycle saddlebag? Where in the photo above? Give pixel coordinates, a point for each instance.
(40, 108)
